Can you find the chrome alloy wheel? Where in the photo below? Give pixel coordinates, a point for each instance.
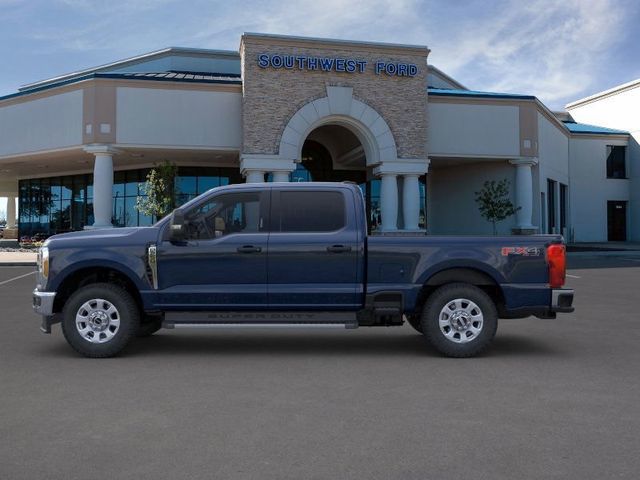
(461, 320)
(97, 320)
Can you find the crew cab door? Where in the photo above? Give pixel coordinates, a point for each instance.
(314, 250)
(222, 263)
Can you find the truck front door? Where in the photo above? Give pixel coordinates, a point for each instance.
(315, 253)
(222, 263)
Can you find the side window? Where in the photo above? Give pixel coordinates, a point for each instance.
(616, 167)
(223, 215)
(311, 211)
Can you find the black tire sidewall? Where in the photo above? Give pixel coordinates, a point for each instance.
(430, 323)
(129, 320)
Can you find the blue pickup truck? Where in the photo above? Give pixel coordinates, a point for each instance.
(291, 255)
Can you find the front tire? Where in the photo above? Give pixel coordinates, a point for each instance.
(99, 320)
(459, 320)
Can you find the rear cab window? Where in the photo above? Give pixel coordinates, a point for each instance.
(309, 211)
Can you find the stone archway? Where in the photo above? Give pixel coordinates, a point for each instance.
(340, 108)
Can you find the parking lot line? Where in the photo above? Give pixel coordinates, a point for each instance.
(573, 276)
(17, 278)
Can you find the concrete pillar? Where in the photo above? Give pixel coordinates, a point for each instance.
(253, 166)
(280, 176)
(410, 170)
(102, 185)
(11, 212)
(389, 202)
(254, 176)
(410, 201)
(524, 194)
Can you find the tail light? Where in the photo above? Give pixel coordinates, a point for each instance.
(556, 258)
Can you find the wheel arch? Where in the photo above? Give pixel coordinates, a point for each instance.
(461, 274)
(88, 275)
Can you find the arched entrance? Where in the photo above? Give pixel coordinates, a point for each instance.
(333, 153)
(340, 138)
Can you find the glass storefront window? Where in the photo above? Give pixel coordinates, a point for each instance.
(67, 188)
(65, 216)
(207, 183)
(118, 184)
(59, 204)
(52, 205)
(131, 183)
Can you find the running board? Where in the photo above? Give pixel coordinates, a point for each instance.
(260, 320)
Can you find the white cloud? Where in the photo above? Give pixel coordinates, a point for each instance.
(547, 48)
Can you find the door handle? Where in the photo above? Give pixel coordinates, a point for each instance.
(249, 249)
(339, 249)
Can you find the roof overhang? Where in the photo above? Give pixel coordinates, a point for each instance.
(604, 94)
(145, 57)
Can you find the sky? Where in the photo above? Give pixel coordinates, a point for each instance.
(557, 50)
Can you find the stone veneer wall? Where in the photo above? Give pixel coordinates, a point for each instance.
(272, 96)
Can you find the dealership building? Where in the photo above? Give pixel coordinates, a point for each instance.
(74, 149)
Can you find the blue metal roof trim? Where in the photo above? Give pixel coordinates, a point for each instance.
(586, 128)
(449, 92)
(160, 77)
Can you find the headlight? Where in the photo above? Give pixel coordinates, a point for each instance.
(43, 261)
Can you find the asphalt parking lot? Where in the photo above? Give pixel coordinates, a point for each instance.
(551, 399)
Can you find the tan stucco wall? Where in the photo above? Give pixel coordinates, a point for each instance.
(272, 96)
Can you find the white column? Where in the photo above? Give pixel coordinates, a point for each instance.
(254, 176)
(11, 212)
(524, 192)
(388, 171)
(410, 201)
(102, 184)
(253, 166)
(280, 176)
(389, 202)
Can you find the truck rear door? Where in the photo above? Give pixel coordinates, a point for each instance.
(315, 250)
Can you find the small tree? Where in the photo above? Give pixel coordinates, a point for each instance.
(158, 192)
(494, 203)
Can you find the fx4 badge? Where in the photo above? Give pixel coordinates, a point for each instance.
(524, 251)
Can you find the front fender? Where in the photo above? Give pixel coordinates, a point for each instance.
(132, 266)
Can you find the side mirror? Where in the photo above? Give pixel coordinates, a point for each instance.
(177, 230)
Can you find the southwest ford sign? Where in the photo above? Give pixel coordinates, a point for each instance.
(329, 64)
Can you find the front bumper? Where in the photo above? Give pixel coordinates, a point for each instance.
(562, 300)
(43, 305)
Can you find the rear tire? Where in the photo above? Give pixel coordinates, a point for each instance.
(99, 320)
(459, 320)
